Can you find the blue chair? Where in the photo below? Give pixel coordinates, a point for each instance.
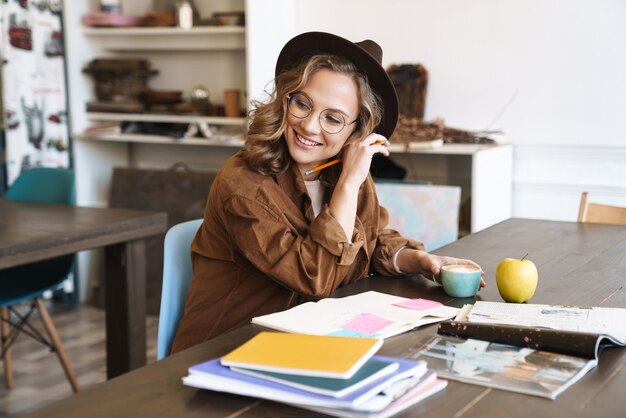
(29, 282)
(176, 280)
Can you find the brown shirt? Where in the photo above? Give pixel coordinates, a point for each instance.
(260, 250)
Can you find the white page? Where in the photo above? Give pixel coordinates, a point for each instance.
(328, 315)
(596, 320)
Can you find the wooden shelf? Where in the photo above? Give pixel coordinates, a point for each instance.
(164, 118)
(445, 149)
(214, 141)
(202, 38)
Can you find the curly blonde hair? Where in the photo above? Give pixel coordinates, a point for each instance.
(265, 150)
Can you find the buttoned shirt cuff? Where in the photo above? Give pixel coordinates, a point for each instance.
(383, 255)
(327, 232)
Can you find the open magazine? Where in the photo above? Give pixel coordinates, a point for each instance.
(596, 320)
(577, 331)
(502, 366)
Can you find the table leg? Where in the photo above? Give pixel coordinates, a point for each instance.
(125, 306)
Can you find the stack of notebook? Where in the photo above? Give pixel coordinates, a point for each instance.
(338, 376)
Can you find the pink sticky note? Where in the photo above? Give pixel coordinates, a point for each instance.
(419, 304)
(367, 323)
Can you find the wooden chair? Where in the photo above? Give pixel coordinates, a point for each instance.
(600, 214)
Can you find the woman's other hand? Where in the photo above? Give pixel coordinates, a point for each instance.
(421, 262)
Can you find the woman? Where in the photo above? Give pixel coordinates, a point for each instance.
(276, 234)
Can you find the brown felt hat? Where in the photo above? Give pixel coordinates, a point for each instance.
(365, 55)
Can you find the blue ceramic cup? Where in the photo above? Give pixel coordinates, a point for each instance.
(459, 281)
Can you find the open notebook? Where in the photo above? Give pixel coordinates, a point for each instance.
(369, 314)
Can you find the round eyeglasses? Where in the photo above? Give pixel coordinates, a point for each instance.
(331, 121)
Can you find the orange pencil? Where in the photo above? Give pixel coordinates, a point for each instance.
(322, 166)
(328, 164)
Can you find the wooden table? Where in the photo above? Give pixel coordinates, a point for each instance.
(31, 232)
(578, 264)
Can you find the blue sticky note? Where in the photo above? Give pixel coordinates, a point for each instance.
(351, 333)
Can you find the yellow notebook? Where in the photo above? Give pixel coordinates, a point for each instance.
(302, 354)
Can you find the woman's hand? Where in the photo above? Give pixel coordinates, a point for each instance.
(415, 261)
(357, 157)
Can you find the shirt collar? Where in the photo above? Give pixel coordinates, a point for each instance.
(292, 182)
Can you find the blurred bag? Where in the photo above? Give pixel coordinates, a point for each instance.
(410, 82)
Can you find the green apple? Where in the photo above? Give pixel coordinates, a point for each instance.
(516, 279)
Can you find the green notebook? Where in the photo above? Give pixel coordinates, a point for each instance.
(372, 370)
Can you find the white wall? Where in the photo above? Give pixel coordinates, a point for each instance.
(550, 73)
(269, 25)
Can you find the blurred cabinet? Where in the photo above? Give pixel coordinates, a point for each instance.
(483, 172)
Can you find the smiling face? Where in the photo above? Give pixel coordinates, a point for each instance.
(309, 145)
